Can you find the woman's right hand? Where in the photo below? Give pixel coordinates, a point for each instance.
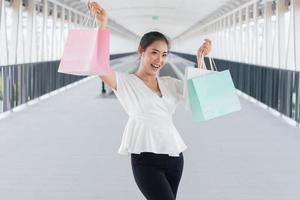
(99, 12)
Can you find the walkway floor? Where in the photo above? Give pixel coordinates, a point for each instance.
(65, 148)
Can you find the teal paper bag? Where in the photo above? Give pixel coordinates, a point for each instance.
(212, 95)
(190, 73)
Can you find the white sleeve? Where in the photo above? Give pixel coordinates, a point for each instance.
(119, 91)
(123, 89)
(181, 89)
(179, 86)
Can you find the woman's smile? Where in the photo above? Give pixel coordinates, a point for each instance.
(155, 67)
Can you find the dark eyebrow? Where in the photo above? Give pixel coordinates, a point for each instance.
(159, 51)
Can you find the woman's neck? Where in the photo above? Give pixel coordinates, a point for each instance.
(148, 78)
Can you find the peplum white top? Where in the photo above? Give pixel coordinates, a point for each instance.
(150, 125)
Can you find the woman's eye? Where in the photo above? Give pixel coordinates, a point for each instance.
(164, 55)
(153, 52)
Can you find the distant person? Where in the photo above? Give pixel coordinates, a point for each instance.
(150, 136)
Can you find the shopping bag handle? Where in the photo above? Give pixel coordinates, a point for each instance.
(86, 18)
(212, 63)
(201, 64)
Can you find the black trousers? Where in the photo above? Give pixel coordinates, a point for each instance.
(157, 175)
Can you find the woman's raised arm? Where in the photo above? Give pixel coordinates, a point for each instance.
(101, 16)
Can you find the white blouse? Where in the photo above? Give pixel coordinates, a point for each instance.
(150, 125)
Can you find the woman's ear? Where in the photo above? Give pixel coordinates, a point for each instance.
(140, 51)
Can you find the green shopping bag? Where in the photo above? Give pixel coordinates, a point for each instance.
(212, 95)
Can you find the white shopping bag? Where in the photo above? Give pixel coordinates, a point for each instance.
(190, 73)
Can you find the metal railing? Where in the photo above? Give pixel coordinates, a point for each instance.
(277, 88)
(24, 82)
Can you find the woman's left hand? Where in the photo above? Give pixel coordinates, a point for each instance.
(204, 49)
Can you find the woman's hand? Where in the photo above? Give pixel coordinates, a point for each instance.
(204, 49)
(99, 12)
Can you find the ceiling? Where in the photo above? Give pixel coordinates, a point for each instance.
(171, 17)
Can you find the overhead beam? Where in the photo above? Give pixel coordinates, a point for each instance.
(111, 24)
(220, 13)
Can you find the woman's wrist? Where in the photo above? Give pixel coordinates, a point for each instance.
(102, 24)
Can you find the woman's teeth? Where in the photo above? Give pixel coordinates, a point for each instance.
(156, 66)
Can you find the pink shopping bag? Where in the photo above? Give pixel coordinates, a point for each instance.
(86, 52)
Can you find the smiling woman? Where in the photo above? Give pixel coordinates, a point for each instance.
(150, 136)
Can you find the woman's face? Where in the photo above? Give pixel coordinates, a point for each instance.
(154, 57)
